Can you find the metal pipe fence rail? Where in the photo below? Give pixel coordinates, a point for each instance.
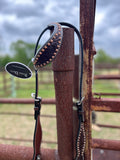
(107, 66)
(13, 152)
(26, 140)
(107, 77)
(45, 77)
(26, 101)
(97, 104)
(104, 104)
(6, 82)
(100, 94)
(5, 85)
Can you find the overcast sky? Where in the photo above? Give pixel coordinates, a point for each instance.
(25, 19)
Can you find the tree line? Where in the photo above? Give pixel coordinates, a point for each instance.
(102, 57)
(23, 52)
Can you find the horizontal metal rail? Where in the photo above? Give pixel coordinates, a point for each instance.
(106, 144)
(108, 126)
(107, 77)
(106, 94)
(30, 83)
(105, 104)
(97, 104)
(53, 116)
(25, 140)
(25, 101)
(26, 114)
(8, 87)
(13, 152)
(106, 66)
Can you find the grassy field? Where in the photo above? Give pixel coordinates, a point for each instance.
(22, 127)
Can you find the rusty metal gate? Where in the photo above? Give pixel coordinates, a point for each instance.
(63, 68)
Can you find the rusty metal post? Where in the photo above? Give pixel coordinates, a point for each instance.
(87, 16)
(63, 68)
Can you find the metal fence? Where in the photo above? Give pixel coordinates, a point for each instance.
(64, 86)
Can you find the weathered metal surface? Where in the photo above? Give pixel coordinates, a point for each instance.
(105, 104)
(107, 77)
(100, 154)
(107, 66)
(76, 78)
(13, 152)
(106, 94)
(25, 140)
(26, 114)
(25, 101)
(65, 59)
(108, 126)
(63, 68)
(87, 16)
(106, 144)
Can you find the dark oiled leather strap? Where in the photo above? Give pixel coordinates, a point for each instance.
(80, 140)
(42, 57)
(38, 131)
(49, 50)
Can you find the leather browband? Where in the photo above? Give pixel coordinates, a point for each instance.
(49, 50)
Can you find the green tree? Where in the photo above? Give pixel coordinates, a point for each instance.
(23, 51)
(4, 60)
(102, 57)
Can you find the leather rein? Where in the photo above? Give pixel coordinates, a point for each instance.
(42, 57)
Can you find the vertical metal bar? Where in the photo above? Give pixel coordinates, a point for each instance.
(87, 16)
(76, 78)
(63, 68)
(76, 96)
(13, 87)
(4, 82)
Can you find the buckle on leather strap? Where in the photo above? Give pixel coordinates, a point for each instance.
(80, 110)
(37, 105)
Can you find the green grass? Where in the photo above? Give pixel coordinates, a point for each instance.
(107, 133)
(24, 88)
(106, 86)
(44, 92)
(109, 86)
(23, 126)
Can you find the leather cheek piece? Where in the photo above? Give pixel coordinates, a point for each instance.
(50, 49)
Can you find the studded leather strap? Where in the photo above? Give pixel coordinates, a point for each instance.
(42, 57)
(50, 49)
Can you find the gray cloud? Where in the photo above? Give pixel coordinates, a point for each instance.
(107, 3)
(26, 20)
(107, 31)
